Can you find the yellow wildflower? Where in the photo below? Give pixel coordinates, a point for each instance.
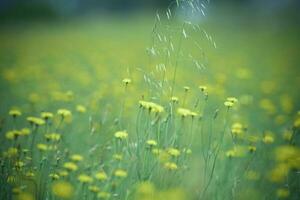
(173, 152)
(36, 121)
(54, 176)
(42, 147)
(126, 81)
(118, 157)
(83, 178)
(101, 176)
(94, 188)
(170, 166)
(80, 108)
(52, 136)
(121, 135)
(174, 99)
(151, 143)
(70, 166)
(63, 189)
(46, 115)
(15, 113)
(64, 113)
(76, 158)
(120, 173)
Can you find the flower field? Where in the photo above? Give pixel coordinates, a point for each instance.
(145, 108)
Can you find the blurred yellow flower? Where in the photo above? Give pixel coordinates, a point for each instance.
(42, 147)
(151, 143)
(170, 166)
(268, 138)
(76, 157)
(70, 166)
(94, 188)
(63, 189)
(203, 88)
(120, 173)
(126, 81)
(83, 178)
(46, 115)
(36, 121)
(52, 136)
(153, 107)
(15, 113)
(121, 135)
(64, 113)
(80, 108)
(101, 176)
(173, 152)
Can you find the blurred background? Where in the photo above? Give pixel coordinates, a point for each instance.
(58, 9)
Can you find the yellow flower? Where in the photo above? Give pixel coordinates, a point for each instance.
(174, 99)
(151, 143)
(186, 88)
(63, 173)
(173, 152)
(228, 104)
(46, 115)
(231, 153)
(25, 132)
(118, 157)
(19, 164)
(70, 166)
(170, 166)
(42, 147)
(25, 196)
(268, 138)
(63, 189)
(12, 135)
(52, 136)
(64, 113)
(101, 176)
(156, 151)
(80, 108)
(183, 112)
(279, 173)
(83, 178)
(76, 158)
(94, 188)
(54, 176)
(252, 149)
(237, 129)
(121, 135)
(120, 173)
(126, 81)
(153, 107)
(29, 174)
(36, 121)
(232, 99)
(12, 151)
(289, 155)
(203, 88)
(15, 113)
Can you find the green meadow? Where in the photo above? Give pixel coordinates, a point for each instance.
(149, 108)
